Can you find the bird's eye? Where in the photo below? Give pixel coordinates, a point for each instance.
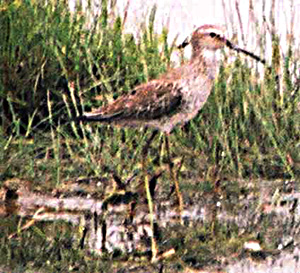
(214, 35)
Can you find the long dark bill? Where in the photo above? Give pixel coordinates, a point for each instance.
(252, 55)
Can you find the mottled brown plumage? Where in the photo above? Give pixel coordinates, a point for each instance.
(176, 96)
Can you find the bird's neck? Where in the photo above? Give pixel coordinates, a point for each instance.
(207, 60)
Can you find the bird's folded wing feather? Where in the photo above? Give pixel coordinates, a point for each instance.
(148, 101)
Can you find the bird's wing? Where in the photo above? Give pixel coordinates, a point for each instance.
(148, 101)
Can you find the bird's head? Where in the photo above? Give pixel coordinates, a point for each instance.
(209, 38)
(206, 37)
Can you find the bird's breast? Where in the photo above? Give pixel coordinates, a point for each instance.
(196, 92)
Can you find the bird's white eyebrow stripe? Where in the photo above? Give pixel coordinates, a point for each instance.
(213, 30)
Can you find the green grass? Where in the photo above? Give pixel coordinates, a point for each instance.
(53, 68)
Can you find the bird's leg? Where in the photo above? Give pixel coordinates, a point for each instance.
(161, 149)
(174, 178)
(140, 147)
(148, 143)
(154, 249)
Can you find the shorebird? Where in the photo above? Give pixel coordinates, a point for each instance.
(176, 96)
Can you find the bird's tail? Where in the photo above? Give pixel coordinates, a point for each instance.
(98, 117)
